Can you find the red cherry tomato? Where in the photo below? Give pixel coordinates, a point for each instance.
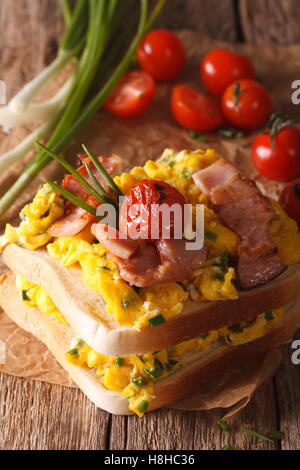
(246, 104)
(194, 111)
(162, 54)
(132, 96)
(220, 68)
(290, 200)
(139, 217)
(281, 163)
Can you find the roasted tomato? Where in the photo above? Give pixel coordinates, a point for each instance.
(140, 215)
(132, 96)
(290, 200)
(194, 111)
(246, 104)
(162, 54)
(220, 68)
(276, 152)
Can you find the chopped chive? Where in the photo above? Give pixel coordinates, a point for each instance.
(296, 189)
(211, 235)
(25, 296)
(269, 316)
(205, 336)
(143, 359)
(230, 133)
(103, 172)
(73, 172)
(171, 164)
(239, 135)
(227, 447)
(192, 134)
(119, 361)
(139, 382)
(185, 174)
(256, 434)
(157, 320)
(202, 138)
(218, 277)
(74, 352)
(99, 187)
(275, 435)
(125, 304)
(70, 197)
(223, 425)
(154, 373)
(143, 406)
(81, 344)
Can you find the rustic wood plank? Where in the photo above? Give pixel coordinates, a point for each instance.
(22, 24)
(287, 386)
(270, 21)
(36, 415)
(211, 17)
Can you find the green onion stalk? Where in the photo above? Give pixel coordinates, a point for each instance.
(75, 117)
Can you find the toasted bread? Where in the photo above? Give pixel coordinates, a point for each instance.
(85, 310)
(200, 367)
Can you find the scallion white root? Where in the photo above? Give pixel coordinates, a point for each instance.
(38, 111)
(22, 99)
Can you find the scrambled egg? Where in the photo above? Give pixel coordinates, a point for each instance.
(135, 376)
(128, 306)
(137, 307)
(37, 217)
(36, 297)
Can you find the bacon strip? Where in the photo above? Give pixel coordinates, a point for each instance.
(110, 239)
(76, 218)
(249, 214)
(165, 261)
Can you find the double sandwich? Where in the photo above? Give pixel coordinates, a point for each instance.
(140, 322)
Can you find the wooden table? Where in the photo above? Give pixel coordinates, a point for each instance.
(35, 415)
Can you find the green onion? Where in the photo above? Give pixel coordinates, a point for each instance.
(75, 118)
(73, 172)
(193, 134)
(99, 187)
(81, 344)
(74, 352)
(139, 382)
(269, 316)
(227, 447)
(230, 133)
(171, 164)
(125, 304)
(202, 138)
(154, 373)
(103, 172)
(185, 174)
(25, 296)
(75, 200)
(143, 406)
(275, 435)
(218, 277)
(120, 361)
(211, 235)
(256, 434)
(157, 320)
(67, 12)
(223, 425)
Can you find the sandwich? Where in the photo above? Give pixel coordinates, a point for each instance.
(139, 321)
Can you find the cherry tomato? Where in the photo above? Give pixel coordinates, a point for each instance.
(194, 111)
(281, 163)
(132, 96)
(220, 68)
(162, 54)
(139, 216)
(246, 104)
(290, 200)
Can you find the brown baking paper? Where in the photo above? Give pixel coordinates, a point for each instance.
(136, 141)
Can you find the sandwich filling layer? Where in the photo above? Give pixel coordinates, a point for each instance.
(137, 307)
(135, 376)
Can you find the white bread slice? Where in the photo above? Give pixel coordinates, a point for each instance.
(85, 310)
(200, 367)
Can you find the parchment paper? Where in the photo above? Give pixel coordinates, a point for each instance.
(137, 141)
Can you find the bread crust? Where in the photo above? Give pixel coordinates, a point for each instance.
(200, 367)
(86, 312)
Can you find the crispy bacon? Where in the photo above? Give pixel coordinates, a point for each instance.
(249, 214)
(161, 262)
(75, 218)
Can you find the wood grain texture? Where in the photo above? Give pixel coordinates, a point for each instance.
(35, 415)
(270, 21)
